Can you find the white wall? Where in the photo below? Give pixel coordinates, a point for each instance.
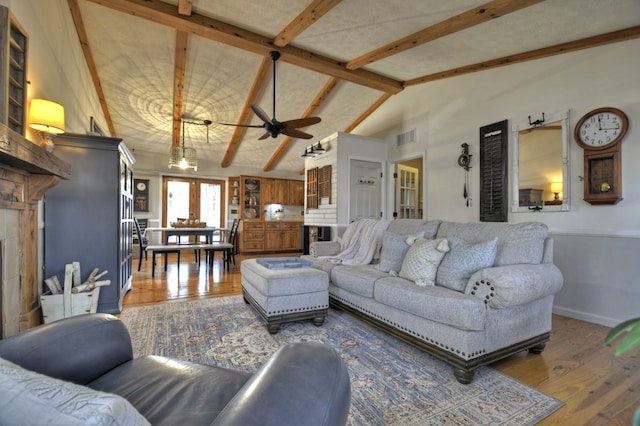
(595, 245)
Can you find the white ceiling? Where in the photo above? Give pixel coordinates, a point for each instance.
(135, 58)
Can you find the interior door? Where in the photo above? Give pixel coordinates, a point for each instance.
(406, 192)
(190, 198)
(365, 196)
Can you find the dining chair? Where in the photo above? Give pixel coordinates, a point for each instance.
(142, 240)
(226, 246)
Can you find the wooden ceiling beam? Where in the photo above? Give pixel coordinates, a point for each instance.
(558, 49)
(304, 20)
(284, 146)
(212, 29)
(185, 7)
(91, 64)
(256, 90)
(179, 71)
(382, 99)
(468, 19)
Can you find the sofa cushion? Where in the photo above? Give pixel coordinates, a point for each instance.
(409, 226)
(517, 242)
(463, 260)
(30, 398)
(434, 303)
(421, 262)
(394, 248)
(358, 279)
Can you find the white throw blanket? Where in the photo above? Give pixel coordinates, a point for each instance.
(360, 242)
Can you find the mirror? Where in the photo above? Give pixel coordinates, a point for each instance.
(541, 166)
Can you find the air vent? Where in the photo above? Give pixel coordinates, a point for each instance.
(406, 138)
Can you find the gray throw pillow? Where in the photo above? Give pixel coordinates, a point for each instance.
(394, 248)
(30, 398)
(422, 260)
(463, 260)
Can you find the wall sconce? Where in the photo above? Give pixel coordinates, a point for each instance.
(47, 117)
(313, 150)
(556, 188)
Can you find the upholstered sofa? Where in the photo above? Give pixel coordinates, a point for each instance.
(80, 371)
(467, 293)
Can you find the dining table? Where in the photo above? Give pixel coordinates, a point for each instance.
(170, 231)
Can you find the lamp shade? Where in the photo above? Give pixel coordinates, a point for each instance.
(46, 116)
(556, 187)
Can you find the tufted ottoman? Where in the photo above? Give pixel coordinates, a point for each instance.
(286, 294)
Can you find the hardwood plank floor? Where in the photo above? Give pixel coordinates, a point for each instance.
(575, 367)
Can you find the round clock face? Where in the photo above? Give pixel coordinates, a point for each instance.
(601, 128)
(141, 186)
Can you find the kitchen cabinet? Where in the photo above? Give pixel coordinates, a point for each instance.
(296, 192)
(282, 236)
(252, 236)
(89, 218)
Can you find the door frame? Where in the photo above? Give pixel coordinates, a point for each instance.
(391, 182)
(194, 195)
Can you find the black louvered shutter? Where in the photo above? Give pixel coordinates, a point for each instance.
(494, 188)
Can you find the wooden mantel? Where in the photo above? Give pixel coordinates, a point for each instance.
(26, 172)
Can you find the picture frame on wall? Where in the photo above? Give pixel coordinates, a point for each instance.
(141, 195)
(94, 127)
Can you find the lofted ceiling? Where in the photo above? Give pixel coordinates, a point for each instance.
(154, 62)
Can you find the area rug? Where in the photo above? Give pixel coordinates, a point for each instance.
(392, 383)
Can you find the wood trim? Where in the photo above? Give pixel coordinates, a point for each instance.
(212, 29)
(468, 19)
(320, 98)
(304, 20)
(185, 7)
(179, 70)
(558, 49)
(256, 89)
(91, 64)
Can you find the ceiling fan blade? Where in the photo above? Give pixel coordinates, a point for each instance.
(300, 122)
(260, 113)
(261, 126)
(266, 135)
(296, 133)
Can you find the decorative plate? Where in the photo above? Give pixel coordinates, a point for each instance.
(250, 213)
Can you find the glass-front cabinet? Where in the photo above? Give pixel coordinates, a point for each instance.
(252, 198)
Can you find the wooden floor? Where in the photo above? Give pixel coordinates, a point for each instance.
(576, 367)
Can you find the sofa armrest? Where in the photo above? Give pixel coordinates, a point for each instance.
(301, 384)
(78, 349)
(324, 248)
(511, 285)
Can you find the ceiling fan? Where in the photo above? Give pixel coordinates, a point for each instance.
(274, 127)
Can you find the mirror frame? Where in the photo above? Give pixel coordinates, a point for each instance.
(566, 177)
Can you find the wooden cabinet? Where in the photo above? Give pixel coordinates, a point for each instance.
(252, 236)
(13, 66)
(282, 236)
(296, 192)
(269, 194)
(89, 218)
(252, 205)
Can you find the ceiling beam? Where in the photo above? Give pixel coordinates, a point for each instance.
(468, 19)
(304, 20)
(212, 29)
(558, 49)
(179, 71)
(91, 64)
(185, 7)
(316, 103)
(382, 99)
(252, 98)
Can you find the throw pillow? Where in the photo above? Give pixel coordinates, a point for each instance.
(464, 260)
(421, 262)
(394, 248)
(31, 398)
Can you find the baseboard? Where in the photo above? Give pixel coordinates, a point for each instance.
(586, 316)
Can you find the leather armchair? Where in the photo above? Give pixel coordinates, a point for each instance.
(301, 384)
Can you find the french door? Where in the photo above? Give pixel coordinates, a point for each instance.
(190, 198)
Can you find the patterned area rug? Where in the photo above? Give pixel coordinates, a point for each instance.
(392, 382)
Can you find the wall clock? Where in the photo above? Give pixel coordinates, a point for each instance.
(599, 133)
(141, 195)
